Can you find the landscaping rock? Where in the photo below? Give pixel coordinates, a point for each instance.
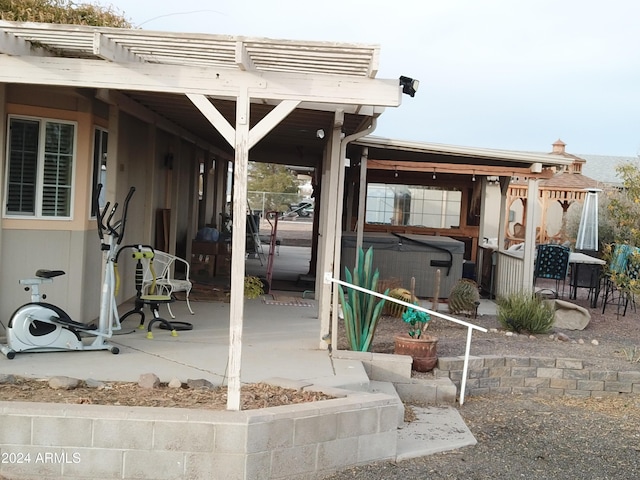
(91, 383)
(175, 383)
(200, 383)
(149, 380)
(4, 378)
(63, 383)
(570, 316)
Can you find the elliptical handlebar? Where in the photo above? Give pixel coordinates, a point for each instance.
(116, 230)
(123, 220)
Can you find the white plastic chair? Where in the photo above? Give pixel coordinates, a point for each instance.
(166, 284)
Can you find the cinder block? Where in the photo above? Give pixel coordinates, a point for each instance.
(536, 382)
(524, 371)
(512, 382)
(478, 373)
(517, 361)
(607, 375)
(357, 422)
(288, 462)
(500, 371)
(550, 372)
(492, 361)
(563, 383)
(16, 430)
(159, 465)
(388, 417)
(62, 432)
(389, 389)
(577, 374)
(230, 438)
(631, 377)
(315, 429)
(338, 454)
(95, 463)
(33, 469)
(591, 385)
(257, 467)
(501, 391)
(525, 390)
(569, 363)
(184, 437)
(620, 387)
(111, 433)
(377, 446)
(488, 382)
(542, 362)
(476, 392)
(446, 394)
(389, 368)
(551, 392)
(268, 435)
(450, 363)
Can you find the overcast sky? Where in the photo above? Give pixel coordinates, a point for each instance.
(503, 74)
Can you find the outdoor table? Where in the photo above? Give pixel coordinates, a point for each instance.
(585, 273)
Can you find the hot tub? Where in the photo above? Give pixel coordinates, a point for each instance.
(403, 256)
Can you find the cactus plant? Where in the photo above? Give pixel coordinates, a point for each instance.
(361, 310)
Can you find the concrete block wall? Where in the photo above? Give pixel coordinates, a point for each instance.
(307, 440)
(396, 369)
(536, 375)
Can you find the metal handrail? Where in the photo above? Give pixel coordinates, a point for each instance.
(328, 278)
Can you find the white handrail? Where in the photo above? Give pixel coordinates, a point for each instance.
(328, 278)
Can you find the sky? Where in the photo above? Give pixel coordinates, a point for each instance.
(504, 74)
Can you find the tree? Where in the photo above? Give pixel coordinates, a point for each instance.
(280, 184)
(62, 12)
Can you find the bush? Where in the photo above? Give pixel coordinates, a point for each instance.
(525, 312)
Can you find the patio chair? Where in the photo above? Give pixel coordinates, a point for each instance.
(165, 281)
(623, 269)
(552, 262)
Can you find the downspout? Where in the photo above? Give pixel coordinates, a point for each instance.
(338, 227)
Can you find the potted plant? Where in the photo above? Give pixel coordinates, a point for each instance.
(253, 286)
(415, 343)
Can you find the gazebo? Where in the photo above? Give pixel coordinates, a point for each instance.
(564, 189)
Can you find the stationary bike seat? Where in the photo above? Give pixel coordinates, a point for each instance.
(44, 273)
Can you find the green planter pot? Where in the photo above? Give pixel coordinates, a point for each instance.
(423, 350)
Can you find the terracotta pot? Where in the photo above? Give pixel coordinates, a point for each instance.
(423, 350)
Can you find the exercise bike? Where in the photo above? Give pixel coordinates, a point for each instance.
(43, 327)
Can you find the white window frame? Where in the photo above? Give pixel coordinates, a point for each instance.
(37, 215)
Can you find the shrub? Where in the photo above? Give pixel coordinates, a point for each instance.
(525, 312)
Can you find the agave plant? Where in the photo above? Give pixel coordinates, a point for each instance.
(361, 310)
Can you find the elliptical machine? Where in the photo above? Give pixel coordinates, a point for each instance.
(43, 327)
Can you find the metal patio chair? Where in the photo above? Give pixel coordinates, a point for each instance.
(552, 263)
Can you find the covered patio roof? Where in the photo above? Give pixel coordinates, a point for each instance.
(151, 72)
(390, 154)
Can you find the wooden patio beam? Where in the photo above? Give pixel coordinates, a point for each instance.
(460, 169)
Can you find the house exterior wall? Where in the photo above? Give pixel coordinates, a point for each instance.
(72, 245)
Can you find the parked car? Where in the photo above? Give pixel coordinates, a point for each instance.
(302, 209)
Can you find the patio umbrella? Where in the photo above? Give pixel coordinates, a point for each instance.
(588, 229)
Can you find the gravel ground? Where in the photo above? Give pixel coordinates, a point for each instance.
(522, 437)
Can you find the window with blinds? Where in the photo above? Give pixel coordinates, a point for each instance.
(40, 170)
